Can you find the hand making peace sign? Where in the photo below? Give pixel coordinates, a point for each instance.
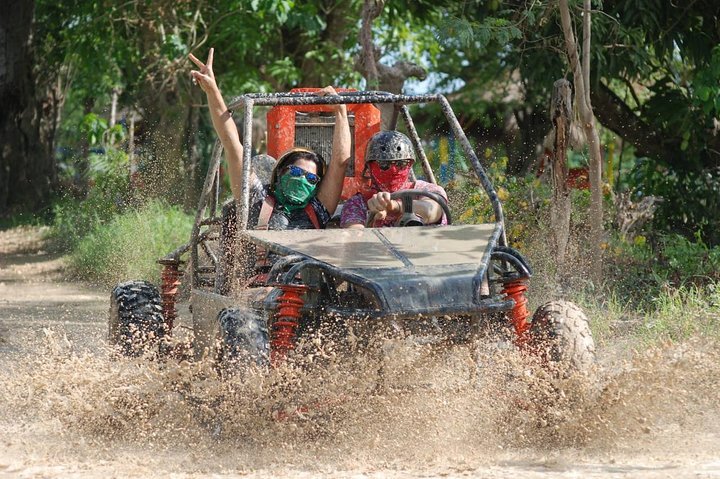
(204, 76)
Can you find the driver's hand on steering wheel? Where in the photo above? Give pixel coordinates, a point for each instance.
(381, 205)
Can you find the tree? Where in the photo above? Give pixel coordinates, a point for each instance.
(654, 84)
(137, 51)
(658, 87)
(140, 49)
(653, 60)
(561, 114)
(581, 74)
(379, 76)
(28, 118)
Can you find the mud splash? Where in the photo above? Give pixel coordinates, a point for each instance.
(411, 409)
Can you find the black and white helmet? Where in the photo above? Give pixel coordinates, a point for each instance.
(389, 146)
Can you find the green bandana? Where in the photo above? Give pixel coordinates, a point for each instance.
(293, 192)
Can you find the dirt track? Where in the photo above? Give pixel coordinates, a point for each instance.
(69, 411)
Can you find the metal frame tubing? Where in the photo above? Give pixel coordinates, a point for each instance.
(349, 98)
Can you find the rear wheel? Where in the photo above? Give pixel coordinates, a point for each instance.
(136, 323)
(561, 334)
(244, 340)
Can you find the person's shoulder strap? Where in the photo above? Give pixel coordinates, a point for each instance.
(266, 211)
(312, 214)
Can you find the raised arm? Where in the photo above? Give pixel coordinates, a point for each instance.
(332, 183)
(222, 120)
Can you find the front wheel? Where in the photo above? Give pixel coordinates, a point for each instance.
(244, 340)
(560, 333)
(136, 323)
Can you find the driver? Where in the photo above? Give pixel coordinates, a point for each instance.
(388, 161)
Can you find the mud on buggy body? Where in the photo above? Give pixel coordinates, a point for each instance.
(456, 278)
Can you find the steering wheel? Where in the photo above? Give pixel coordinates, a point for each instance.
(408, 218)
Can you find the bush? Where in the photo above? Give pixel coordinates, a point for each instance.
(662, 286)
(691, 199)
(644, 271)
(73, 218)
(129, 245)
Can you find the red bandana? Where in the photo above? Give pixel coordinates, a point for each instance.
(390, 180)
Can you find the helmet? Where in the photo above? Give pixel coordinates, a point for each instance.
(389, 145)
(263, 165)
(291, 156)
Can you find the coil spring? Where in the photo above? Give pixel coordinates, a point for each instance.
(170, 282)
(519, 314)
(287, 320)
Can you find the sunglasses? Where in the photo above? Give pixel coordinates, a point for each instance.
(386, 164)
(296, 171)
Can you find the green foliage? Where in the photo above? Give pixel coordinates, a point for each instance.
(661, 58)
(457, 29)
(525, 201)
(128, 246)
(682, 313)
(105, 155)
(21, 219)
(672, 314)
(285, 71)
(667, 289)
(706, 86)
(73, 218)
(685, 259)
(691, 199)
(107, 173)
(478, 35)
(641, 272)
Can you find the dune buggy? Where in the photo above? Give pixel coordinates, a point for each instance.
(454, 280)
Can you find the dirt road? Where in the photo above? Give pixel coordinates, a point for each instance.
(68, 410)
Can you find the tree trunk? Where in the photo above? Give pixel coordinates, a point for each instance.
(379, 76)
(561, 115)
(28, 117)
(370, 11)
(581, 76)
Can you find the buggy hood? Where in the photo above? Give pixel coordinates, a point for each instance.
(413, 269)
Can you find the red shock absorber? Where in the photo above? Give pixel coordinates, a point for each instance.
(519, 314)
(170, 281)
(287, 319)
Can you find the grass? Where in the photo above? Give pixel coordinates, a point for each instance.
(673, 314)
(683, 312)
(21, 219)
(665, 292)
(129, 245)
